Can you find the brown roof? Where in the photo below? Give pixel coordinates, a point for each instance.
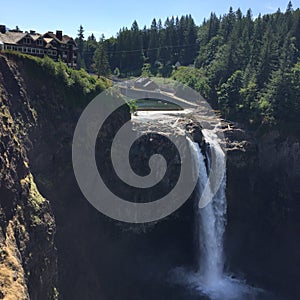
(66, 38)
(12, 37)
(35, 36)
(52, 35)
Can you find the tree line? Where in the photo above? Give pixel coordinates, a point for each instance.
(251, 67)
(155, 49)
(248, 68)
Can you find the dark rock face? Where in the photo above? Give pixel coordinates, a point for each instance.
(194, 129)
(27, 252)
(263, 210)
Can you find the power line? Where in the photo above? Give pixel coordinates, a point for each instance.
(150, 49)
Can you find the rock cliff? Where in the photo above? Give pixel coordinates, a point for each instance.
(263, 208)
(28, 261)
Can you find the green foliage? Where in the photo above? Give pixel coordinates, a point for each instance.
(193, 78)
(160, 46)
(132, 106)
(89, 48)
(146, 70)
(250, 66)
(101, 64)
(229, 95)
(80, 44)
(76, 86)
(247, 68)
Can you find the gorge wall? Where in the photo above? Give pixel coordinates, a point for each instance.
(28, 261)
(263, 209)
(52, 239)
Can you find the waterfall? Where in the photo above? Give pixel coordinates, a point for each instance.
(211, 278)
(211, 218)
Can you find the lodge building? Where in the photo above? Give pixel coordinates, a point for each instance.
(53, 45)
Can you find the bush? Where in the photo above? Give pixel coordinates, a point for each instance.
(77, 86)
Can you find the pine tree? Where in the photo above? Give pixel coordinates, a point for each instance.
(289, 8)
(80, 45)
(89, 49)
(153, 43)
(136, 56)
(101, 64)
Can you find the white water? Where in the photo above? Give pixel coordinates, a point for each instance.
(211, 278)
(211, 218)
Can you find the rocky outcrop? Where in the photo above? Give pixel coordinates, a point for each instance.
(27, 227)
(262, 192)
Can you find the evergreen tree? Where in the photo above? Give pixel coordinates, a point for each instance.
(153, 43)
(80, 45)
(101, 64)
(89, 49)
(135, 57)
(289, 8)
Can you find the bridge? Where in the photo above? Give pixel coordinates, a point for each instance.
(135, 93)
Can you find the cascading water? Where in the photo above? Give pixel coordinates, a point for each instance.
(211, 218)
(211, 279)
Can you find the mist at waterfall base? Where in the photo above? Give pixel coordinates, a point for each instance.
(210, 279)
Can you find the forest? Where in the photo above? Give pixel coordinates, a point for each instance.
(246, 67)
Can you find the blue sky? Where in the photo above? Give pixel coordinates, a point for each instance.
(109, 16)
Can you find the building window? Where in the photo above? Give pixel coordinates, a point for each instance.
(27, 40)
(33, 50)
(39, 42)
(52, 52)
